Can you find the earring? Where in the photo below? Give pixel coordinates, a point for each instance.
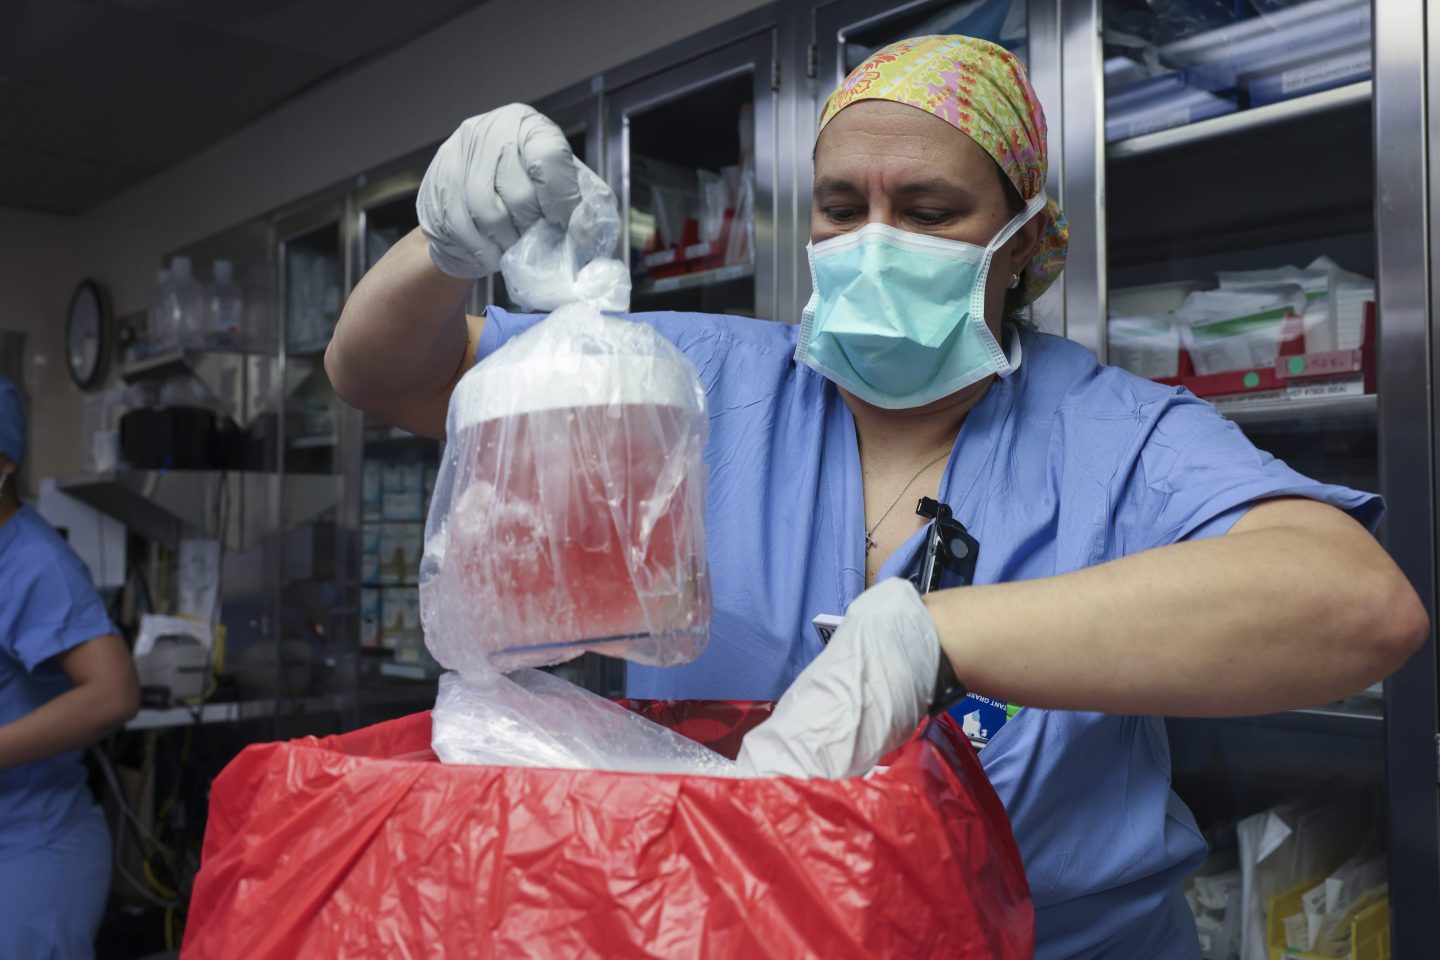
(1014, 281)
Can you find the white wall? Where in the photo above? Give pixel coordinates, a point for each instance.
(40, 264)
(503, 51)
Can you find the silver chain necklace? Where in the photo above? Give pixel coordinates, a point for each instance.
(870, 534)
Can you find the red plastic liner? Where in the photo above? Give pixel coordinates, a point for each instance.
(363, 845)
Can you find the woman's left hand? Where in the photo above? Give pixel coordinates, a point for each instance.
(860, 698)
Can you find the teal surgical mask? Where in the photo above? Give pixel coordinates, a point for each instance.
(898, 318)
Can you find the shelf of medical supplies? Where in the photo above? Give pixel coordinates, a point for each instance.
(242, 382)
(166, 505)
(320, 440)
(1362, 407)
(383, 434)
(233, 712)
(314, 348)
(1362, 716)
(395, 441)
(1243, 121)
(159, 366)
(406, 671)
(701, 278)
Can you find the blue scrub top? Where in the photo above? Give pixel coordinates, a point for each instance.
(1062, 465)
(48, 605)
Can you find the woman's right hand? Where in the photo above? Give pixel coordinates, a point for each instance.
(496, 175)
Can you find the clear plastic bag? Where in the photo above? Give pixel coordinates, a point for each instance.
(532, 719)
(549, 267)
(568, 514)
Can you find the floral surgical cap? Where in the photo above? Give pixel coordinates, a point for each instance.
(981, 90)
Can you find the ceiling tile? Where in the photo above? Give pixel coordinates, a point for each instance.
(126, 57)
(32, 180)
(32, 26)
(343, 30)
(96, 95)
(144, 136)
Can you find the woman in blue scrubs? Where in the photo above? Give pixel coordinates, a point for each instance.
(1138, 556)
(66, 679)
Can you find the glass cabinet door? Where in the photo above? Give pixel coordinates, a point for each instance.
(691, 157)
(312, 265)
(1169, 65)
(386, 218)
(313, 589)
(396, 470)
(1235, 203)
(1239, 224)
(848, 31)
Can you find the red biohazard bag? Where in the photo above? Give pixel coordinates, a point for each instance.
(363, 845)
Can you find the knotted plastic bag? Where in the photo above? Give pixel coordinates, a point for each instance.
(568, 514)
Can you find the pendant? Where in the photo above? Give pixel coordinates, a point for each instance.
(869, 543)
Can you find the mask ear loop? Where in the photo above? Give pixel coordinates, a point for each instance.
(807, 315)
(998, 360)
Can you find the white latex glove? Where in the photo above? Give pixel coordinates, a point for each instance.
(496, 175)
(861, 698)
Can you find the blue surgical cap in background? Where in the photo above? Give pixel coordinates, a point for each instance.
(12, 422)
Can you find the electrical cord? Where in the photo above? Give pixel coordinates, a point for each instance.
(144, 832)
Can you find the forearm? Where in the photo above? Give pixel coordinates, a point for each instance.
(401, 342)
(76, 718)
(1253, 622)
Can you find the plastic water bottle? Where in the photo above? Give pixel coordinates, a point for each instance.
(183, 304)
(225, 306)
(159, 328)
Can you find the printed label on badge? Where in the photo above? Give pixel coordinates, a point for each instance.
(825, 626)
(980, 718)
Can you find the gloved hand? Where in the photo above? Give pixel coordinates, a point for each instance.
(859, 699)
(495, 176)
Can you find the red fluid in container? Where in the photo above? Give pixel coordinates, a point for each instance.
(578, 516)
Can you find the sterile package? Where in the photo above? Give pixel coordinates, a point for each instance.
(1149, 346)
(1291, 844)
(491, 719)
(568, 514)
(1235, 330)
(1334, 310)
(1307, 47)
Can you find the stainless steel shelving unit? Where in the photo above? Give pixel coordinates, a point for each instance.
(1264, 178)
(1234, 124)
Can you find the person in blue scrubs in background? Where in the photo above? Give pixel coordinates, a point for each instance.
(1138, 556)
(66, 679)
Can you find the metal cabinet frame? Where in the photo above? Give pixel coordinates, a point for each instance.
(1406, 84)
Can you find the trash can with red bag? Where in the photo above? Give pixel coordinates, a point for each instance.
(363, 845)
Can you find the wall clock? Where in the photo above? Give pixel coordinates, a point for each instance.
(87, 334)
